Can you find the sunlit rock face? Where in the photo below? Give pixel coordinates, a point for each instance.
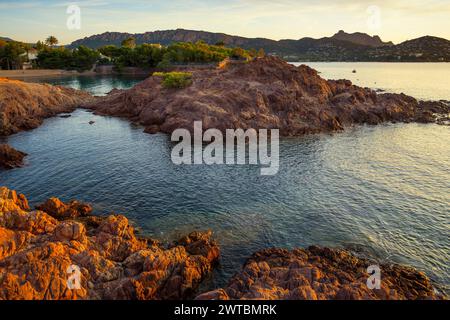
(23, 106)
(265, 93)
(320, 274)
(37, 250)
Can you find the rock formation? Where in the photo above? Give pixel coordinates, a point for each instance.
(23, 106)
(320, 274)
(10, 158)
(264, 93)
(37, 251)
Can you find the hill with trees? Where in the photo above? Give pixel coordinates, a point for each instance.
(340, 47)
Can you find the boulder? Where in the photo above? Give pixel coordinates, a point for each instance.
(10, 158)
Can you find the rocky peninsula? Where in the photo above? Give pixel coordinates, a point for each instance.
(38, 248)
(23, 106)
(264, 93)
(10, 158)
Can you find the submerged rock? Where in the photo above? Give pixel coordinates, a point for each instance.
(10, 158)
(23, 106)
(320, 274)
(37, 251)
(266, 93)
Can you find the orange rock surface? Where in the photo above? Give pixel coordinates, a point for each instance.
(320, 274)
(36, 251)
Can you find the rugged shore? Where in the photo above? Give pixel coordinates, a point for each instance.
(39, 247)
(320, 274)
(265, 93)
(10, 158)
(23, 106)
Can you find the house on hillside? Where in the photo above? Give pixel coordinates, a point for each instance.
(29, 58)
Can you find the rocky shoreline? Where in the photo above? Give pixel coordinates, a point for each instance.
(23, 106)
(320, 274)
(266, 93)
(10, 158)
(38, 248)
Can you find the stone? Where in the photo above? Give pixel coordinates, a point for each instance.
(37, 251)
(10, 158)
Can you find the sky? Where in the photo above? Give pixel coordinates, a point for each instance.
(392, 20)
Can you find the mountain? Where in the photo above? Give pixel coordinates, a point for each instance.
(6, 39)
(340, 47)
(421, 49)
(361, 38)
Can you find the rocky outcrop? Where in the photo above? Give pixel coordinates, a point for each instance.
(320, 274)
(264, 93)
(10, 158)
(39, 253)
(60, 210)
(23, 106)
(361, 39)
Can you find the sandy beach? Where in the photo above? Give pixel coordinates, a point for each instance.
(26, 74)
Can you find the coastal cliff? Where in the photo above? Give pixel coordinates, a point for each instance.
(264, 93)
(23, 106)
(39, 247)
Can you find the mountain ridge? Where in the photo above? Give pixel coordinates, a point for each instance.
(341, 46)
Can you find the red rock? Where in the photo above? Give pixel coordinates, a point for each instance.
(320, 274)
(60, 210)
(266, 93)
(10, 158)
(36, 251)
(23, 106)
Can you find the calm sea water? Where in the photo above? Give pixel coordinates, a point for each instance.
(424, 81)
(97, 85)
(382, 191)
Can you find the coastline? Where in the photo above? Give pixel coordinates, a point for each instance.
(113, 263)
(234, 296)
(36, 73)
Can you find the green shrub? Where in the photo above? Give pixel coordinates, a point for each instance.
(175, 80)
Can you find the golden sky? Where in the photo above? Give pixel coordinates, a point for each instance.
(393, 20)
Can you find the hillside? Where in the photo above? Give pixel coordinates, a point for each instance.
(6, 39)
(422, 49)
(361, 38)
(340, 47)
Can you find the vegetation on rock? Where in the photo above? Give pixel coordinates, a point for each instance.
(175, 80)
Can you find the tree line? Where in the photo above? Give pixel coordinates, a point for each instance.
(12, 55)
